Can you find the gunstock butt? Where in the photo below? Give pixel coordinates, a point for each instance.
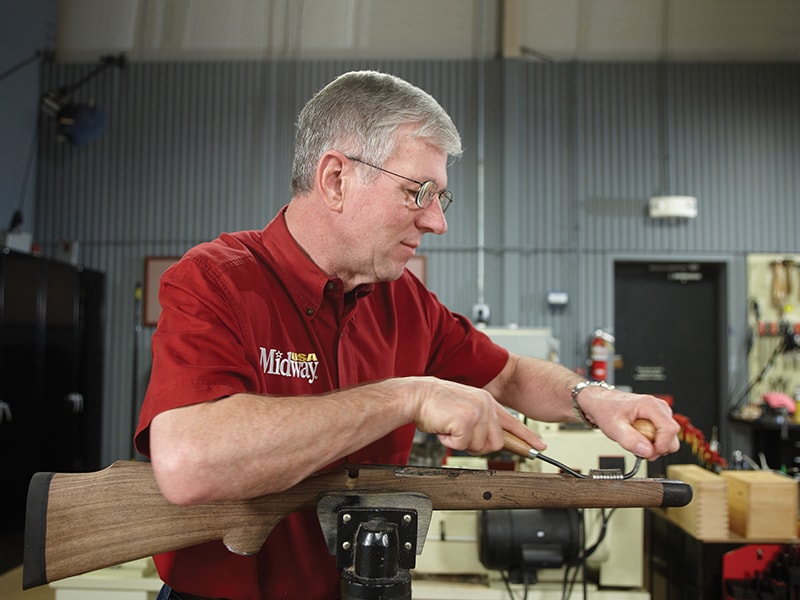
(34, 565)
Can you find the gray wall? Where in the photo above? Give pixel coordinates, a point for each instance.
(25, 28)
(560, 162)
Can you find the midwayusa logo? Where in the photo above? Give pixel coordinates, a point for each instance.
(290, 364)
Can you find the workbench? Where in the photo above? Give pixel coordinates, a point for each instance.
(678, 566)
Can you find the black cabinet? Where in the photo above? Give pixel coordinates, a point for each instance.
(51, 366)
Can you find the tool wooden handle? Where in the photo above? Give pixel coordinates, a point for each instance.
(516, 445)
(778, 284)
(646, 428)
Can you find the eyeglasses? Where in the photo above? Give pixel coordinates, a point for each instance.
(427, 191)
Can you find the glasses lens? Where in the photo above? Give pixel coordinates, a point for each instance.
(425, 194)
(428, 191)
(445, 199)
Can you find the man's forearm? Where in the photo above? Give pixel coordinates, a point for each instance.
(543, 391)
(537, 388)
(247, 445)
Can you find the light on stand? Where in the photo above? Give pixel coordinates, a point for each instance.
(78, 123)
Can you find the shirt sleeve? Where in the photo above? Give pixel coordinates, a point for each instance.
(197, 348)
(458, 350)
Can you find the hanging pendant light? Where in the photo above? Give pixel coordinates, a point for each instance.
(668, 205)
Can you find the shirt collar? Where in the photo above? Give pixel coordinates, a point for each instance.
(299, 273)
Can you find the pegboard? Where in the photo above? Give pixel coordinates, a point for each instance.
(773, 290)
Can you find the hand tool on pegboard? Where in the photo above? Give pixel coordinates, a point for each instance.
(797, 266)
(788, 263)
(779, 285)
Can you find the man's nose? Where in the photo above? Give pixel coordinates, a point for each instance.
(432, 219)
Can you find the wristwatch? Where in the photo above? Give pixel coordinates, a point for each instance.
(576, 407)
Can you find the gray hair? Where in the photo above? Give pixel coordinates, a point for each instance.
(359, 114)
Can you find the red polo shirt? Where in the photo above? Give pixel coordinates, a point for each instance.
(250, 312)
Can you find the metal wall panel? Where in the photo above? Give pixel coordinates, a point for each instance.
(560, 161)
(728, 134)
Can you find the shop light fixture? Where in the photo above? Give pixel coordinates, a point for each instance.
(668, 205)
(672, 207)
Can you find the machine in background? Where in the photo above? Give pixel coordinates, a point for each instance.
(453, 544)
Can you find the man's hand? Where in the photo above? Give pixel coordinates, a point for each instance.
(615, 411)
(466, 418)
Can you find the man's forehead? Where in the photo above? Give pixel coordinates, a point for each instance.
(427, 161)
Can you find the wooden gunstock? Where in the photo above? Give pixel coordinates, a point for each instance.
(80, 522)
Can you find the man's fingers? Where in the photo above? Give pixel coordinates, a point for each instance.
(523, 432)
(470, 419)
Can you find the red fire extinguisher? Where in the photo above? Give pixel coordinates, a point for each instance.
(599, 355)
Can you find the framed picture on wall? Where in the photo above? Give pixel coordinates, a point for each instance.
(154, 267)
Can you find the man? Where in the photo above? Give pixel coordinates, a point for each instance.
(285, 351)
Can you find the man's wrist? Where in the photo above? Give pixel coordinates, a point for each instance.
(576, 408)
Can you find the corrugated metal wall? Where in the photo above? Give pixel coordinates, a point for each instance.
(570, 152)
(588, 144)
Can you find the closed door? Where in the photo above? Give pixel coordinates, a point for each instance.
(669, 319)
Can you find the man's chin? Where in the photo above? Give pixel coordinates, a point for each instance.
(393, 273)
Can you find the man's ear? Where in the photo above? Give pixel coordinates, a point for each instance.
(332, 180)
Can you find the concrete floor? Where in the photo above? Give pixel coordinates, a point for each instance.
(11, 588)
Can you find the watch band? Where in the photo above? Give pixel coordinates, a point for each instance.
(576, 407)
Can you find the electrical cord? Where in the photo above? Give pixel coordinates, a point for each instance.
(507, 582)
(603, 530)
(573, 567)
(34, 143)
(580, 562)
(568, 584)
(743, 397)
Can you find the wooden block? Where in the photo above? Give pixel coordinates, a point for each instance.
(762, 504)
(706, 516)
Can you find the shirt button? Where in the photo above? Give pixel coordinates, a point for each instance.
(331, 286)
(309, 311)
